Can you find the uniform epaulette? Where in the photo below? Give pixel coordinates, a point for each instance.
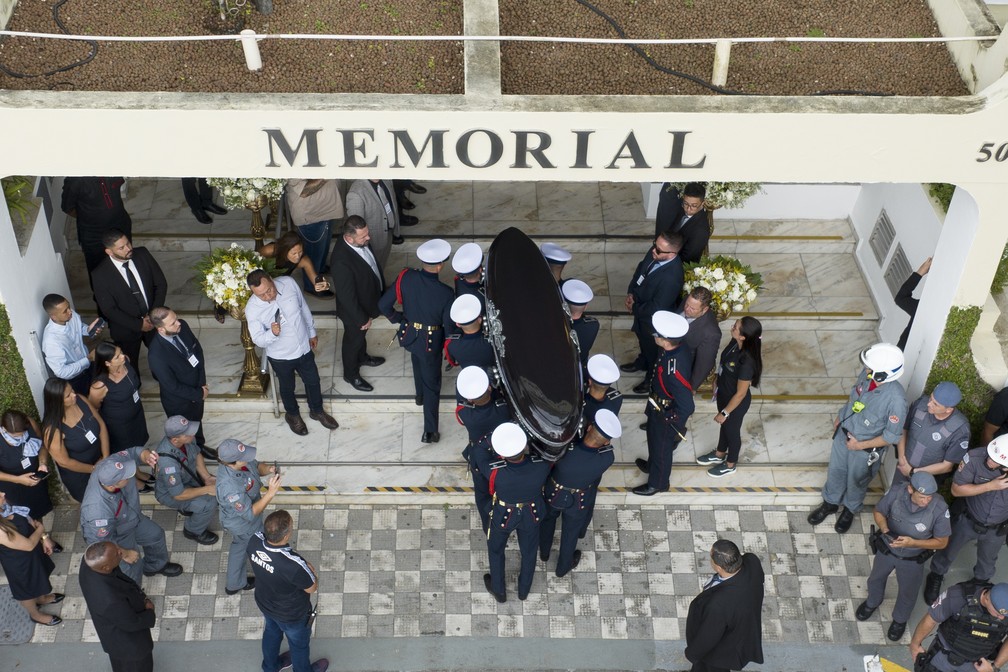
(614, 394)
(533, 457)
(588, 319)
(498, 465)
(454, 337)
(607, 449)
(466, 404)
(500, 402)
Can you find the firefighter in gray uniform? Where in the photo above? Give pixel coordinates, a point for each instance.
(982, 513)
(935, 436)
(242, 503)
(972, 628)
(110, 511)
(912, 524)
(183, 482)
(871, 419)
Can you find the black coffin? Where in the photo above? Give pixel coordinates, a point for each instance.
(528, 325)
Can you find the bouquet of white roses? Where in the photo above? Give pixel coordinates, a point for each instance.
(725, 194)
(733, 284)
(244, 191)
(224, 272)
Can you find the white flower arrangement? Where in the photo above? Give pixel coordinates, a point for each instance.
(224, 272)
(243, 192)
(725, 194)
(733, 284)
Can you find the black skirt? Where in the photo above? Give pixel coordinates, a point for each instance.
(27, 571)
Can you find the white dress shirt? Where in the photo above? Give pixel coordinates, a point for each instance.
(296, 322)
(133, 270)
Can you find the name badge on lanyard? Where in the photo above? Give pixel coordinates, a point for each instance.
(640, 280)
(193, 361)
(136, 396)
(388, 208)
(89, 435)
(26, 463)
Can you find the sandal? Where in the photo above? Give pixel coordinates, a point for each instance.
(55, 620)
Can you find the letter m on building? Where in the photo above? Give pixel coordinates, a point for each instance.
(309, 141)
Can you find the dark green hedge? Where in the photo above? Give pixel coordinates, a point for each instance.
(14, 390)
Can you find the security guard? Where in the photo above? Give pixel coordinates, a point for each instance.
(575, 475)
(183, 482)
(480, 413)
(670, 403)
(871, 419)
(557, 258)
(982, 513)
(935, 437)
(912, 525)
(241, 502)
(516, 486)
(468, 266)
(110, 511)
(470, 348)
(423, 322)
(578, 295)
(972, 628)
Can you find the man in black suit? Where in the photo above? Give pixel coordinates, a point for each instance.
(358, 283)
(686, 216)
(122, 614)
(97, 205)
(655, 285)
(176, 360)
(724, 624)
(704, 335)
(126, 285)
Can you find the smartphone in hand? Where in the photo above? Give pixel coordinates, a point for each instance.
(99, 324)
(40, 475)
(276, 468)
(276, 316)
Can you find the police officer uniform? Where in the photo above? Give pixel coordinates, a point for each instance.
(904, 518)
(467, 261)
(423, 322)
(930, 440)
(983, 517)
(669, 404)
(468, 349)
(479, 421)
(116, 516)
(177, 471)
(967, 631)
(578, 294)
(575, 475)
(516, 486)
(237, 491)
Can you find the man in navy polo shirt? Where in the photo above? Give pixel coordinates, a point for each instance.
(284, 582)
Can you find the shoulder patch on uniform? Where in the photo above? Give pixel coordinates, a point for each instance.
(172, 480)
(239, 506)
(233, 498)
(947, 514)
(102, 532)
(964, 445)
(103, 522)
(965, 459)
(894, 418)
(170, 470)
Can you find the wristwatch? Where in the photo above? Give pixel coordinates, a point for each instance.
(724, 413)
(912, 472)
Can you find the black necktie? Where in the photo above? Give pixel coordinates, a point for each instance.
(135, 287)
(181, 346)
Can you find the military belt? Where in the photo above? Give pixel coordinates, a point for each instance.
(424, 327)
(564, 487)
(659, 402)
(519, 505)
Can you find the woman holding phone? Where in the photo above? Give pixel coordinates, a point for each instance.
(24, 463)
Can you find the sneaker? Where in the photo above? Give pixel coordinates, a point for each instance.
(719, 470)
(710, 458)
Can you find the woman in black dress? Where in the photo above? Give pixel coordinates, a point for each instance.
(23, 461)
(25, 548)
(74, 434)
(740, 368)
(115, 393)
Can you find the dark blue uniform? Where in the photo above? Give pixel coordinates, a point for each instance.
(481, 420)
(480, 456)
(469, 350)
(570, 492)
(474, 288)
(587, 329)
(613, 401)
(669, 406)
(423, 323)
(516, 488)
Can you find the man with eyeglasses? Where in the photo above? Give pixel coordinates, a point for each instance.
(686, 216)
(980, 513)
(656, 284)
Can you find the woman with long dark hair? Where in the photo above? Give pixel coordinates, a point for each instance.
(24, 463)
(25, 548)
(74, 434)
(115, 392)
(288, 254)
(739, 370)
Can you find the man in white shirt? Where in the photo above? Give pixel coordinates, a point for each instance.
(282, 325)
(63, 343)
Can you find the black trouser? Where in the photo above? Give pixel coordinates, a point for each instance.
(133, 665)
(131, 347)
(704, 667)
(305, 366)
(427, 382)
(662, 440)
(190, 410)
(198, 193)
(649, 350)
(730, 436)
(353, 349)
(81, 383)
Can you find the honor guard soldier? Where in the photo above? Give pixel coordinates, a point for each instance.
(935, 437)
(669, 404)
(578, 294)
(110, 511)
(468, 266)
(981, 513)
(912, 524)
(242, 503)
(183, 482)
(423, 322)
(972, 628)
(557, 257)
(602, 373)
(480, 413)
(516, 486)
(872, 418)
(574, 477)
(470, 348)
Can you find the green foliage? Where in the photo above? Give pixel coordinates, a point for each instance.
(17, 190)
(1001, 274)
(942, 193)
(816, 32)
(14, 390)
(954, 362)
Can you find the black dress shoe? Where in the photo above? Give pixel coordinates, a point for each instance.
(416, 187)
(646, 490)
(360, 384)
(398, 240)
(642, 425)
(406, 204)
(324, 419)
(544, 554)
(896, 631)
(418, 399)
(631, 367)
(819, 514)
(522, 594)
(373, 361)
(209, 453)
(169, 569)
(500, 597)
(642, 387)
(843, 521)
(864, 612)
(296, 424)
(574, 563)
(215, 209)
(430, 437)
(249, 585)
(202, 217)
(408, 220)
(932, 586)
(206, 537)
(643, 465)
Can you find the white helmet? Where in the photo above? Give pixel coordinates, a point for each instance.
(997, 450)
(884, 360)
